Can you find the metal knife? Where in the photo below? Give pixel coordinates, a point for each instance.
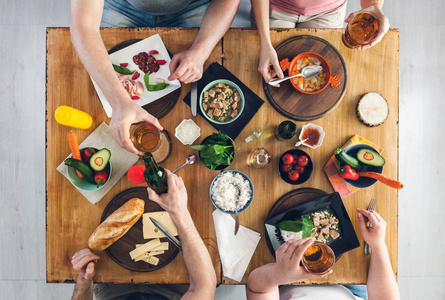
(167, 233)
(194, 97)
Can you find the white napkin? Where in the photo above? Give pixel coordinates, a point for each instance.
(121, 160)
(235, 251)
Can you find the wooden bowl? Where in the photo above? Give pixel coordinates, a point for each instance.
(286, 65)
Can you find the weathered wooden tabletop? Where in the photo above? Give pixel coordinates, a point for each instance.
(71, 218)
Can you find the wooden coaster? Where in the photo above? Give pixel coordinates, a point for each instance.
(163, 152)
(302, 107)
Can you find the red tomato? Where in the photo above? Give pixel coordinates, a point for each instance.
(303, 161)
(293, 175)
(286, 168)
(300, 170)
(288, 159)
(295, 157)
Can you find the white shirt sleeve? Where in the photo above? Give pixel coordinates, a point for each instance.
(316, 292)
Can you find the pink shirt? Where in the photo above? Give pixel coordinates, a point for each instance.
(305, 7)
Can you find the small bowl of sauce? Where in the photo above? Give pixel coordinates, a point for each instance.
(313, 133)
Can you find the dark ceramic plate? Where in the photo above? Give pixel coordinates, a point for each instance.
(220, 167)
(362, 182)
(307, 169)
(348, 238)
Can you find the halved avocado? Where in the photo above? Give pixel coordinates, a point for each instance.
(100, 159)
(370, 157)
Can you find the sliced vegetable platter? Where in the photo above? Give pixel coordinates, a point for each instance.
(123, 60)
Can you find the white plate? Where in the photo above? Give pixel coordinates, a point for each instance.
(126, 56)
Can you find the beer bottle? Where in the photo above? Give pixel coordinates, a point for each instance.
(154, 174)
(286, 130)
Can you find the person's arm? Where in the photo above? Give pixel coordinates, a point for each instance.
(263, 282)
(382, 284)
(376, 7)
(187, 66)
(197, 259)
(85, 36)
(268, 65)
(83, 263)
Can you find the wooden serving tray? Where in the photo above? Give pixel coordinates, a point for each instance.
(302, 107)
(119, 251)
(163, 105)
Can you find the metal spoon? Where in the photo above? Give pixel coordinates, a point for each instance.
(236, 211)
(189, 161)
(307, 72)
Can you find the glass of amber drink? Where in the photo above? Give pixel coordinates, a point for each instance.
(145, 137)
(318, 258)
(361, 30)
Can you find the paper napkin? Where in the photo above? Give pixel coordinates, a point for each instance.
(235, 251)
(332, 166)
(121, 160)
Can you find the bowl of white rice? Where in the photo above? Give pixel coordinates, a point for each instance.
(231, 189)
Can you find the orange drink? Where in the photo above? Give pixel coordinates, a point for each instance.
(318, 258)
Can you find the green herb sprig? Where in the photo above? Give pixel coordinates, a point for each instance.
(122, 70)
(304, 225)
(215, 151)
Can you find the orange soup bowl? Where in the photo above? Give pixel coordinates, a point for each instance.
(292, 70)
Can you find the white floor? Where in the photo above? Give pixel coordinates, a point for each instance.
(22, 146)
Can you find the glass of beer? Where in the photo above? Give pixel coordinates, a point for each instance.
(361, 30)
(318, 258)
(145, 137)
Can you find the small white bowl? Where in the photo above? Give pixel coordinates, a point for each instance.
(316, 127)
(187, 137)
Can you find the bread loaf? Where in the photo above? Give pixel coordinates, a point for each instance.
(116, 225)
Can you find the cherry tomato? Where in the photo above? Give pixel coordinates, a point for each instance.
(288, 159)
(295, 157)
(286, 168)
(300, 170)
(293, 175)
(303, 161)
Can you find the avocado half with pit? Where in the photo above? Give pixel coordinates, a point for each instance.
(100, 159)
(370, 157)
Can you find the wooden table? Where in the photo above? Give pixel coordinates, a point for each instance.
(71, 218)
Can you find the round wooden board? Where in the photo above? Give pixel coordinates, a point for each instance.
(119, 251)
(298, 106)
(290, 200)
(162, 106)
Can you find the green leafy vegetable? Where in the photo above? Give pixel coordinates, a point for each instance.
(304, 225)
(122, 70)
(216, 151)
(153, 87)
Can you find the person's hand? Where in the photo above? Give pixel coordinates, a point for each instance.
(288, 258)
(375, 235)
(175, 200)
(83, 263)
(268, 65)
(125, 114)
(384, 24)
(186, 66)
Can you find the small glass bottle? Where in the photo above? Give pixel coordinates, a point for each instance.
(256, 133)
(72, 117)
(286, 130)
(258, 158)
(154, 174)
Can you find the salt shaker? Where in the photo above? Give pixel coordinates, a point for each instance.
(254, 135)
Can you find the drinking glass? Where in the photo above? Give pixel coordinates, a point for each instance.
(145, 137)
(318, 258)
(361, 30)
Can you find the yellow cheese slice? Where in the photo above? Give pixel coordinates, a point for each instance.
(153, 253)
(147, 254)
(151, 260)
(162, 246)
(149, 229)
(144, 248)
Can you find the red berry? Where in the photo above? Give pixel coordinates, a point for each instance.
(135, 76)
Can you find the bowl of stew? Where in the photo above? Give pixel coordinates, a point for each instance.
(221, 101)
(309, 85)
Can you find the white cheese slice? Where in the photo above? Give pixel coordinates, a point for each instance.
(153, 253)
(162, 246)
(151, 260)
(149, 229)
(147, 254)
(144, 248)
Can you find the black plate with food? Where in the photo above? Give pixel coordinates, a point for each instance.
(302, 172)
(119, 251)
(329, 204)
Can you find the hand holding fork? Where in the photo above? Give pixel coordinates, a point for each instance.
(371, 207)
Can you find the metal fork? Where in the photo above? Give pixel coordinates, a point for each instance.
(371, 207)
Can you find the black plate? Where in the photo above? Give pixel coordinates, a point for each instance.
(307, 169)
(362, 182)
(348, 239)
(119, 251)
(220, 167)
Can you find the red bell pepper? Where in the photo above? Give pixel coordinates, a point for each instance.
(101, 177)
(347, 172)
(87, 153)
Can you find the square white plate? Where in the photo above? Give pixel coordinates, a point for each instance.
(126, 56)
